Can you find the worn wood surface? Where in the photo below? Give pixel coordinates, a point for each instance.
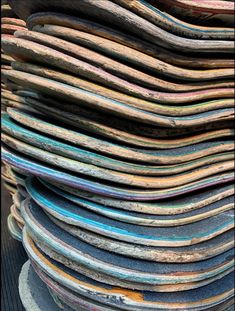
(126, 272)
(174, 206)
(133, 299)
(202, 11)
(23, 49)
(34, 286)
(83, 47)
(125, 19)
(81, 155)
(74, 181)
(14, 228)
(150, 11)
(114, 123)
(147, 182)
(34, 293)
(113, 107)
(170, 110)
(119, 69)
(146, 219)
(164, 156)
(124, 38)
(145, 235)
(13, 21)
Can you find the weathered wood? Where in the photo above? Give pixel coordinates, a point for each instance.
(112, 266)
(13, 228)
(148, 219)
(193, 253)
(9, 29)
(167, 156)
(166, 207)
(120, 17)
(23, 49)
(13, 21)
(132, 127)
(116, 108)
(16, 215)
(150, 11)
(78, 267)
(58, 176)
(48, 34)
(203, 10)
(32, 289)
(34, 293)
(172, 110)
(144, 235)
(71, 152)
(126, 39)
(113, 176)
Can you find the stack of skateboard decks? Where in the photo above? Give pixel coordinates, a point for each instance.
(123, 153)
(10, 23)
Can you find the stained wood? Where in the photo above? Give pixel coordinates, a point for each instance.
(14, 229)
(203, 11)
(150, 11)
(175, 206)
(98, 102)
(120, 126)
(181, 255)
(120, 17)
(51, 174)
(85, 271)
(146, 219)
(165, 156)
(23, 49)
(169, 110)
(85, 44)
(126, 39)
(71, 152)
(152, 236)
(35, 279)
(90, 170)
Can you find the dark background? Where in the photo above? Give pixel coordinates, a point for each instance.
(13, 257)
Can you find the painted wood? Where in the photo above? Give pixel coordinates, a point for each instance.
(122, 18)
(124, 38)
(93, 101)
(148, 219)
(14, 229)
(138, 130)
(27, 289)
(29, 166)
(165, 207)
(114, 107)
(172, 156)
(150, 10)
(83, 46)
(23, 49)
(72, 214)
(107, 92)
(110, 278)
(203, 10)
(33, 292)
(184, 254)
(74, 281)
(46, 143)
(16, 215)
(147, 182)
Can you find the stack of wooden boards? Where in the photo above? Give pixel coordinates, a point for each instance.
(10, 23)
(123, 153)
